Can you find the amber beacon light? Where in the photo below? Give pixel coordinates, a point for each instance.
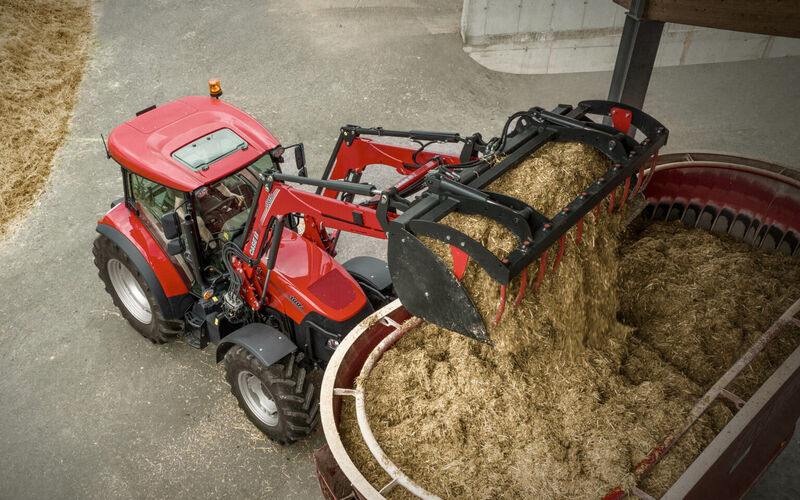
(214, 88)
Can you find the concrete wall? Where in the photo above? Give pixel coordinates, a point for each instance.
(565, 36)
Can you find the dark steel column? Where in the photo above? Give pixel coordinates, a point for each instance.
(636, 57)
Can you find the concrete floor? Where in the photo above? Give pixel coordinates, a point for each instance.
(92, 410)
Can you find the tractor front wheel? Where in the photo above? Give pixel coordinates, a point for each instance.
(131, 294)
(279, 399)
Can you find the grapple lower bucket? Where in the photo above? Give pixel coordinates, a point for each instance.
(429, 289)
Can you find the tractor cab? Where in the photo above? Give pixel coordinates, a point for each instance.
(195, 159)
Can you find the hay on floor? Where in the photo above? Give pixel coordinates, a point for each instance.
(43, 47)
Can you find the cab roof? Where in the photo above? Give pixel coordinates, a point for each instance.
(146, 144)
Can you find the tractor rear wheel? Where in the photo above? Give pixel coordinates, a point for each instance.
(131, 294)
(279, 399)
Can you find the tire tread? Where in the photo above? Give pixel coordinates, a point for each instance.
(296, 396)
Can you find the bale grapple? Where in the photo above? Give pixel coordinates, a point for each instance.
(437, 294)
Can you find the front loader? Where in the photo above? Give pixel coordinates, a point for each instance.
(214, 242)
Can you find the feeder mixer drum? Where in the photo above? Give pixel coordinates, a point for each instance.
(751, 200)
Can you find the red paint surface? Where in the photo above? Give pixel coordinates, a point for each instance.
(364, 152)
(621, 119)
(145, 144)
(542, 268)
(127, 223)
(300, 265)
(460, 261)
(560, 252)
(333, 289)
(768, 198)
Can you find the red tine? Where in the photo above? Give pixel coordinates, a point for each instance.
(611, 201)
(625, 192)
(560, 252)
(460, 260)
(522, 284)
(597, 213)
(580, 231)
(501, 307)
(542, 267)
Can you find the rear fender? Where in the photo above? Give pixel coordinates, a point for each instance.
(374, 277)
(370, 270)
(125, 230)
(264, 342)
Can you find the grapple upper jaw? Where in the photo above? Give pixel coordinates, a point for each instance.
(428, 288)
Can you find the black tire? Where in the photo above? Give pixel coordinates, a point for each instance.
(157, 329)
(294, 395)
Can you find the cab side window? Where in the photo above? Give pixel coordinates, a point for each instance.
(153, 200)
(156, 199)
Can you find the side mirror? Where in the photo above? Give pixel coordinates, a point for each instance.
(176, 246)
(300, 159)
(171, 224)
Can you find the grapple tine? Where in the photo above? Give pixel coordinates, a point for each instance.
(580, 231)
(611, 201)
(542, 267)
(625, 192)
(522, 285)
(560, 252)
(460, 261)
(639, 178)
(597, 213)
(501, 307)
(652, 171)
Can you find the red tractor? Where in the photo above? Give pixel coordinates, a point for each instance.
(213, 242)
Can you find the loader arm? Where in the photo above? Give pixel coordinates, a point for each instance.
(281, 199)
(355, 150)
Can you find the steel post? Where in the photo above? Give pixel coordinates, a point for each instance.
(636, 57)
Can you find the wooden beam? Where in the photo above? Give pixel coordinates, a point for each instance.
(767, 17)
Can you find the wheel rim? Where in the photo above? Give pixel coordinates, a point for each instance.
(257, 398)
(129, 291)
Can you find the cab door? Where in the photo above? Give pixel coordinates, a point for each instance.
(152, 200)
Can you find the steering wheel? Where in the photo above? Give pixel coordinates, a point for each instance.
(232, 201)
(214, 216)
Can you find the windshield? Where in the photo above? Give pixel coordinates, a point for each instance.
(224, 206)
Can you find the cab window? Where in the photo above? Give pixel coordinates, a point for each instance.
(262, 164)
(152, 200)
(224, 206)
(152, 197)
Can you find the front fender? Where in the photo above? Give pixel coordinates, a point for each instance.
(264, 342)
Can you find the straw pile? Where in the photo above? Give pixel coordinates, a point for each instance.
(569, 309)
(567, 404)
(43, 46)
